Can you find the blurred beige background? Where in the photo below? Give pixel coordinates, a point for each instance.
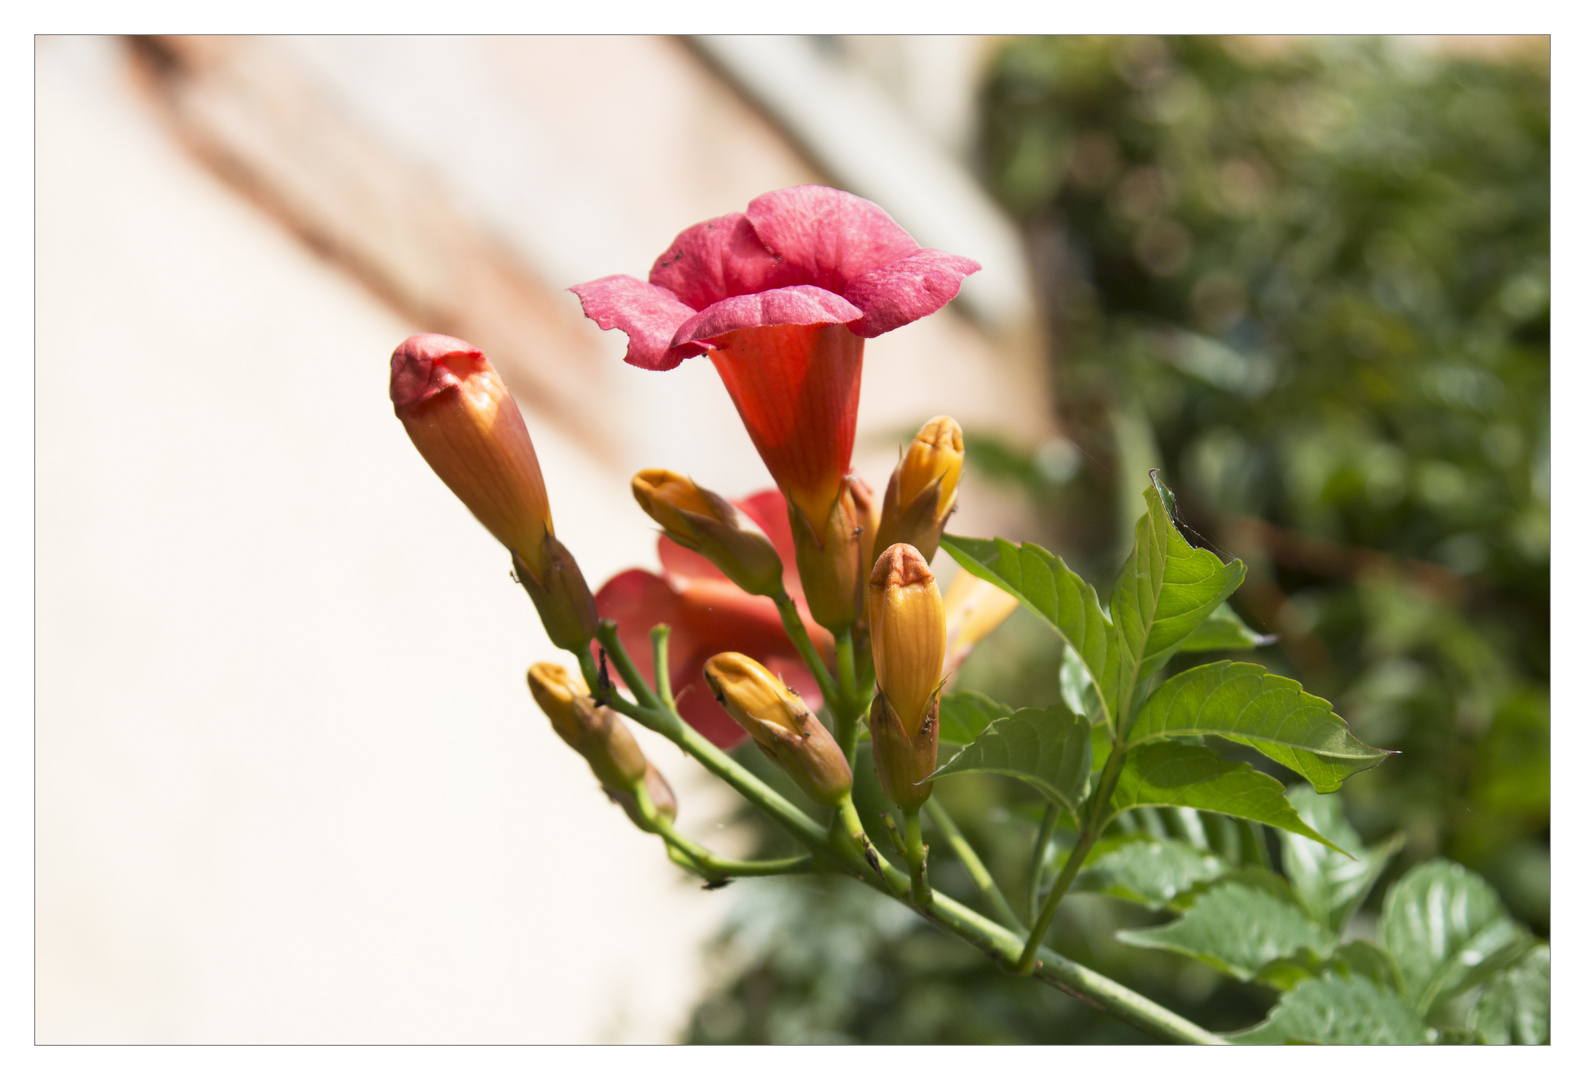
(290, 784)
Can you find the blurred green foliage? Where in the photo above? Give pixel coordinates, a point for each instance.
(1313, 287)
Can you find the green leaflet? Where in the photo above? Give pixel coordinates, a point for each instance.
(1078, 689)
(1046, 748)
(1330, 886)
(1339, 1009)
(964, 715)
(1043, 583)
(1516, 1008)
(1150, 871)
(1247, 704)
(1447, 929)
(1171, 774)
(1237, 930)
(1165, 591)
(1224, 631)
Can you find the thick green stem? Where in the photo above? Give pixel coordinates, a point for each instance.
(971, 862)
(847, 705)
(998, 942)
(914, 850)
(793, 623)
(658, 637)
(1070, 869)
(1037, 859)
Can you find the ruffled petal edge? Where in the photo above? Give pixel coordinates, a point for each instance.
(794, 305)
(648, 314)
(910, 288)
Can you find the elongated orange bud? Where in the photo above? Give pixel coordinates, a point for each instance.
(600, 736)
(924, 488)
(702, 521)
(781, 726)
(830, 559)
(907, 633)
(902, 761)
(463, 421)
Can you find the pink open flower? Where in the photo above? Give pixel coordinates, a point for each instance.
(708, 615)
(780, 298)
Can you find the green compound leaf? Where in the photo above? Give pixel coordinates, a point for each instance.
(1166, 590)
(964, 715)
(1367, 960)
(1046, 748)
(1043, 583)
(1247, 704)
(1224, 631)
(1150, 871)
(1516, 1008)
(1172, 774)
(1237, 930)
(1330, 886)
(1333, 1009)
(1448, 931)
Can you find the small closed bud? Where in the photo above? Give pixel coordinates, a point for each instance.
(907, 633)
(463, 421)
(593, 730)
(598, 734)
(781, 726)
(830, 563)
(924, 488)
(903, 760)
(702, 521)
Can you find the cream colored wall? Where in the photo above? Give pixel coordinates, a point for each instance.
(291, 787)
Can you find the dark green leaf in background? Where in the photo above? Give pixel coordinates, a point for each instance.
(964, 715)
(1516, 1008)
(1171, 774)
(1247, 704)
(1330, 886)
(1046, 748)
(1224, 630)
(1447, 930)
(1149, 871)
(1165, 591)
(1237, 930)
(1339, 1009)
(1043, 583)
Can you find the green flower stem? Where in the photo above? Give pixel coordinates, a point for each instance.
(914, 850)
(847, 821)
(971, 861)
(1091, 832)
(659, 636)
(1037, 859)
(793, 623)
(847, 705)
(706, 863)
(998, 942)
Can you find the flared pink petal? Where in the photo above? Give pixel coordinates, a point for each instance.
(827, 237)
(716, 259)
(681, 565)
(768, 510)
(648, 314)
(638, 600)
(912, 287)
(796, 305)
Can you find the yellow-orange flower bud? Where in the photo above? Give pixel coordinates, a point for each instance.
(598, 734)
(903, 761)
(781, 726)
(924, 488)
(907, 633)
(702, 521)
(830, 560)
